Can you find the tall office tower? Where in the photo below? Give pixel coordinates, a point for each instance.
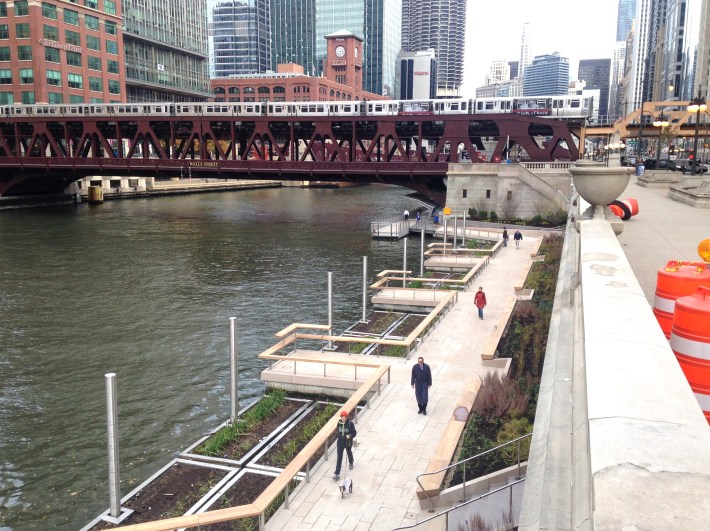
(498, 71)
(439, 25)
(625, 18)
(637, 75)
(702, 78)
(596, 74)
(525, 56)
(618, 63)
(416, 76)
(378, 22)
(546, 75)
(293, 34)
(166, 50)
(655, 87)
(239, 37)
(60, 52)
(513, 65)
(685, 43)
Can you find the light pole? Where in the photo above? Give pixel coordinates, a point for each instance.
(660, 122)
(697, 105)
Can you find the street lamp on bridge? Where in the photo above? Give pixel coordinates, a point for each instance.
(660, 122)
(697, 105)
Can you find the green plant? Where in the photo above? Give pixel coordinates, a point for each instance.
(511, 430)
(305, 433)
(394, 351)
(416, 284)
(493, 216)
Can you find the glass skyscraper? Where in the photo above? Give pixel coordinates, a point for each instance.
(546, 76)
(293, 34)
(165, 46)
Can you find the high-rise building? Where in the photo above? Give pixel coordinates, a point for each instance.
(61, 52)
(293, 34)
(525, 55)
(546, 75)
(439, 25)
(513, 65)
(165, 49)
(637, 80)
(239, 37)
(416, 76)
(625, 18)
(498, 71)
(618, 64)
(596, 74)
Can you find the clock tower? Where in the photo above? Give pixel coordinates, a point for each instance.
(343, 62)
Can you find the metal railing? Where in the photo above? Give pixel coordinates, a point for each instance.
(464, 462)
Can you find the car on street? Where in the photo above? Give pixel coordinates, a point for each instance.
(686, 166)
(663, 164)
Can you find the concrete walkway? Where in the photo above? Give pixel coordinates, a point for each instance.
(395, 444)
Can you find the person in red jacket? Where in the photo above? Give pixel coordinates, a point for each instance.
(480, 301)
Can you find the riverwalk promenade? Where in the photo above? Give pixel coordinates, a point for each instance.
(395, 443)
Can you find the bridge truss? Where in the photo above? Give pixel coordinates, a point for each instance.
(43, 154)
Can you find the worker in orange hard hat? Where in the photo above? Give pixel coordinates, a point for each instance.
(346, 433)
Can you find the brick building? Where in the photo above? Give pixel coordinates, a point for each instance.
(59, 51)
(341, 81)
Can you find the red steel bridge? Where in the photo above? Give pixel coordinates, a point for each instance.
(42, 154)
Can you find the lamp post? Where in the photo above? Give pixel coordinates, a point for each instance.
(697, 105)
(660, 122)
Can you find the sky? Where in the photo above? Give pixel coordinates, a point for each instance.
(578, 30)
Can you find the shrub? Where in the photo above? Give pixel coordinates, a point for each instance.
(493, 216)
(511, 430)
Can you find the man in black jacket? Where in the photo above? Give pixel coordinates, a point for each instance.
(421, 382)
(346, 433)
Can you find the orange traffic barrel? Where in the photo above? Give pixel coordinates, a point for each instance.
(625, 208)
(677, 279)
(632, 204)
(690, 341)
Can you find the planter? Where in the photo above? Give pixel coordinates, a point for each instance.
(600, 185)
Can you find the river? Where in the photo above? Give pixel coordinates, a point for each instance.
(145, 288)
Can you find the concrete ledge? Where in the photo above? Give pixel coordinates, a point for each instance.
(491, 345)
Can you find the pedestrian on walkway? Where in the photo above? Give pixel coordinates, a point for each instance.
(419, 217)
(480, 301)
(505, 237)
(518, 238)
(421, 382)
(406, 215)
(346, 433)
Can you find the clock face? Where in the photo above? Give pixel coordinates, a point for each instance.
(356, 52)
(340, 51)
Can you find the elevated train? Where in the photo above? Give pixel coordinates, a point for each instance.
(563, 107)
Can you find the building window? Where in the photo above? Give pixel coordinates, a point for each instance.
(109, 27)
(340, 79)
(73, 58)
(218, 90)
(28, 97)
(465, 193)
(56, 98)
(4, 33)
(112, 47)
(234, 90)
(3, 9)
(509, 195)
(248, 90)
(71, 17)
(94, 63)
(279, 90)
(50, 33)
(234, 99)
(7, 98)
(27, 75)
(112, 67)
(332, 93)
(49, 11)
(110, 7)
(96, 84)
(75, 81)
(5, 76)
(24, 52)
(91, 22)
(4, 53)
(54, 78)
(22, 8)
(488, 194)
(264, 90)
(96, 100)
(76, 99)
(93, 4)
(93, 43)
(72, 37)
(22, 31)
(114, 87)
(51, 55)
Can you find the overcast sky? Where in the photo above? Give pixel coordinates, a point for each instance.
(578, 30)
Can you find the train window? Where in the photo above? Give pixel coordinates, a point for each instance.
(348, 108)
(378, 108)
(277, 108)
(574, 104)
(463, 105)
(479, 105)
(490, 105)
(454, 106)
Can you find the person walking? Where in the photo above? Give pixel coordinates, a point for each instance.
(346, 433)
(421, 382)
(518, 238)
(505, 237)
(480, 301)
(406, 215)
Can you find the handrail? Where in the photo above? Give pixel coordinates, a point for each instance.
(464, 461)
(472, 500)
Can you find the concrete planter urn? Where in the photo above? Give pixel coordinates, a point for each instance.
(599, 186)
